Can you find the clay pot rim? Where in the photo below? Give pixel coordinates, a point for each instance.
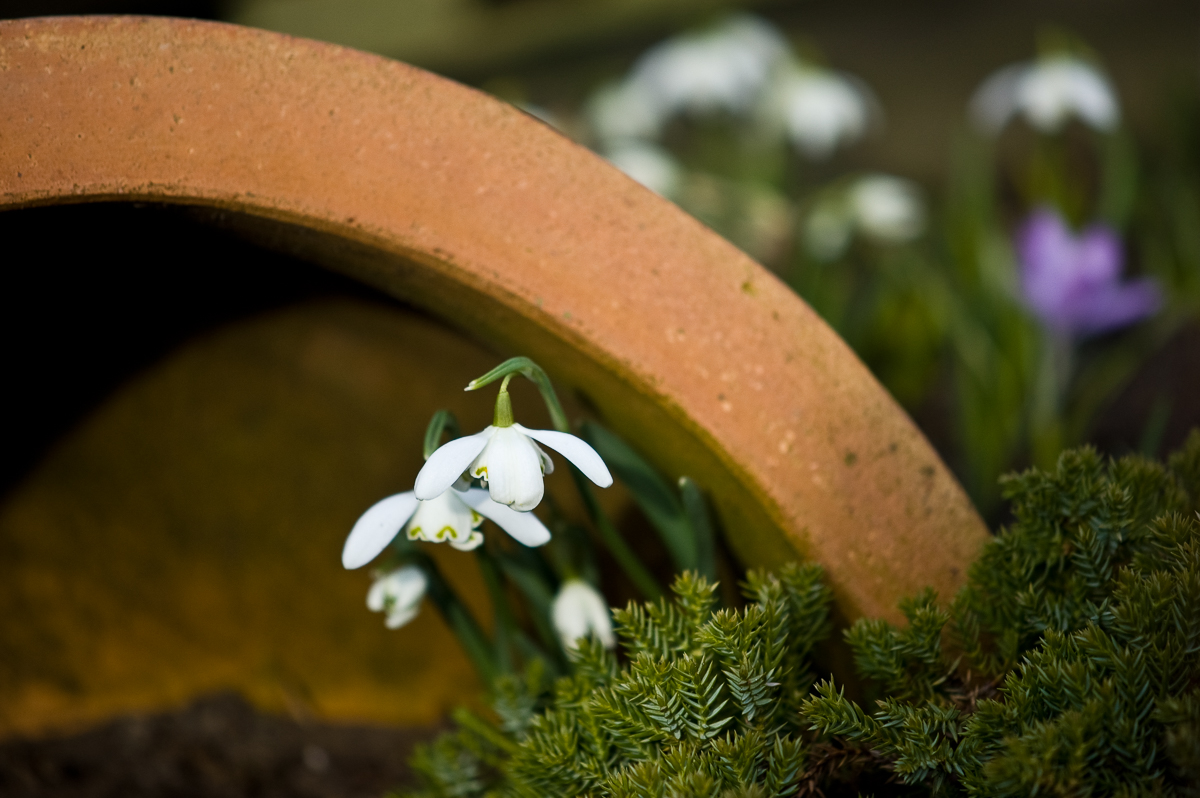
(435, 192)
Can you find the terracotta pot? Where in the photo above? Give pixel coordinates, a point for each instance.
(481, 214)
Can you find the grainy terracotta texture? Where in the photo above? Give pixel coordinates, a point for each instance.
(476, 211)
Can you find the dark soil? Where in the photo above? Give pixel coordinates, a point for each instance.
(219, 747)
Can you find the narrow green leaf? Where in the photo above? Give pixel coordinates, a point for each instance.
(652, 494)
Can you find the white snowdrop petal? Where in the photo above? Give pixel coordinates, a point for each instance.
(1093, 98)
(513, 469)
(543, 458)
(820, 109)
(411, 584)
(525, 528)
(443, 518)
(377, 595)
(1044, 96)
(581, 455)
(995, 101)
(579, 610)
(400, 616)
(721, 68)
(1047, 93)
(446, 465)
(376, 528)
(471, 543)
(399, 594)
(888, 208)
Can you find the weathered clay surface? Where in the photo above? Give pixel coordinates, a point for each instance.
(478, 212)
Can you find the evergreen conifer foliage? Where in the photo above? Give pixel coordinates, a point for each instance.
(1068, 665)
(706, 705)
(1076, 646)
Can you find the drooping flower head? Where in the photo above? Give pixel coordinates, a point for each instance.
(820, 109)
(884, 208)
(1073, 283)
(507, 458)
(578, 611)
(398, 594)
(1047, 92)
(719, 69)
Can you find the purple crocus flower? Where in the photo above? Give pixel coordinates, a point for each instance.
(1073, 283)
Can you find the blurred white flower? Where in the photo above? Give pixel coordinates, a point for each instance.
(722, 68)
(1047, 92)
(820, 109)
(578, 611)
(398, 593)
(510, 463)
(649, 164)
(888, 208)
(882, 207)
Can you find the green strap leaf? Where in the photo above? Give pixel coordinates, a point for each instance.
(653, 495)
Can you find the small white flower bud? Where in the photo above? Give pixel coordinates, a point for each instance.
(398, 593)
(578, 611)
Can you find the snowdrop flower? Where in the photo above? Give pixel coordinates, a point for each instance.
(507, 459)
(820, 109)
(722, 68)
(452, 516)
(885, 208)
(649, 164)
(888, 208)
(398, 593)
(579, 611)
(1047, 92)
(1073, 283)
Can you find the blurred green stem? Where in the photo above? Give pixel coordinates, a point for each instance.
(612, 539)
(457, 617)
(505, 623)
(442, 421)
(1052, 380)
(697, 513)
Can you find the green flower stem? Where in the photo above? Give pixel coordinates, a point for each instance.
(697, 513)
(1048, 397)
(617, 546)
(503, 417)
(540, 598)
(506, 625)
(534, 373)
(612, 539)
(442, 421)
(458, 618)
